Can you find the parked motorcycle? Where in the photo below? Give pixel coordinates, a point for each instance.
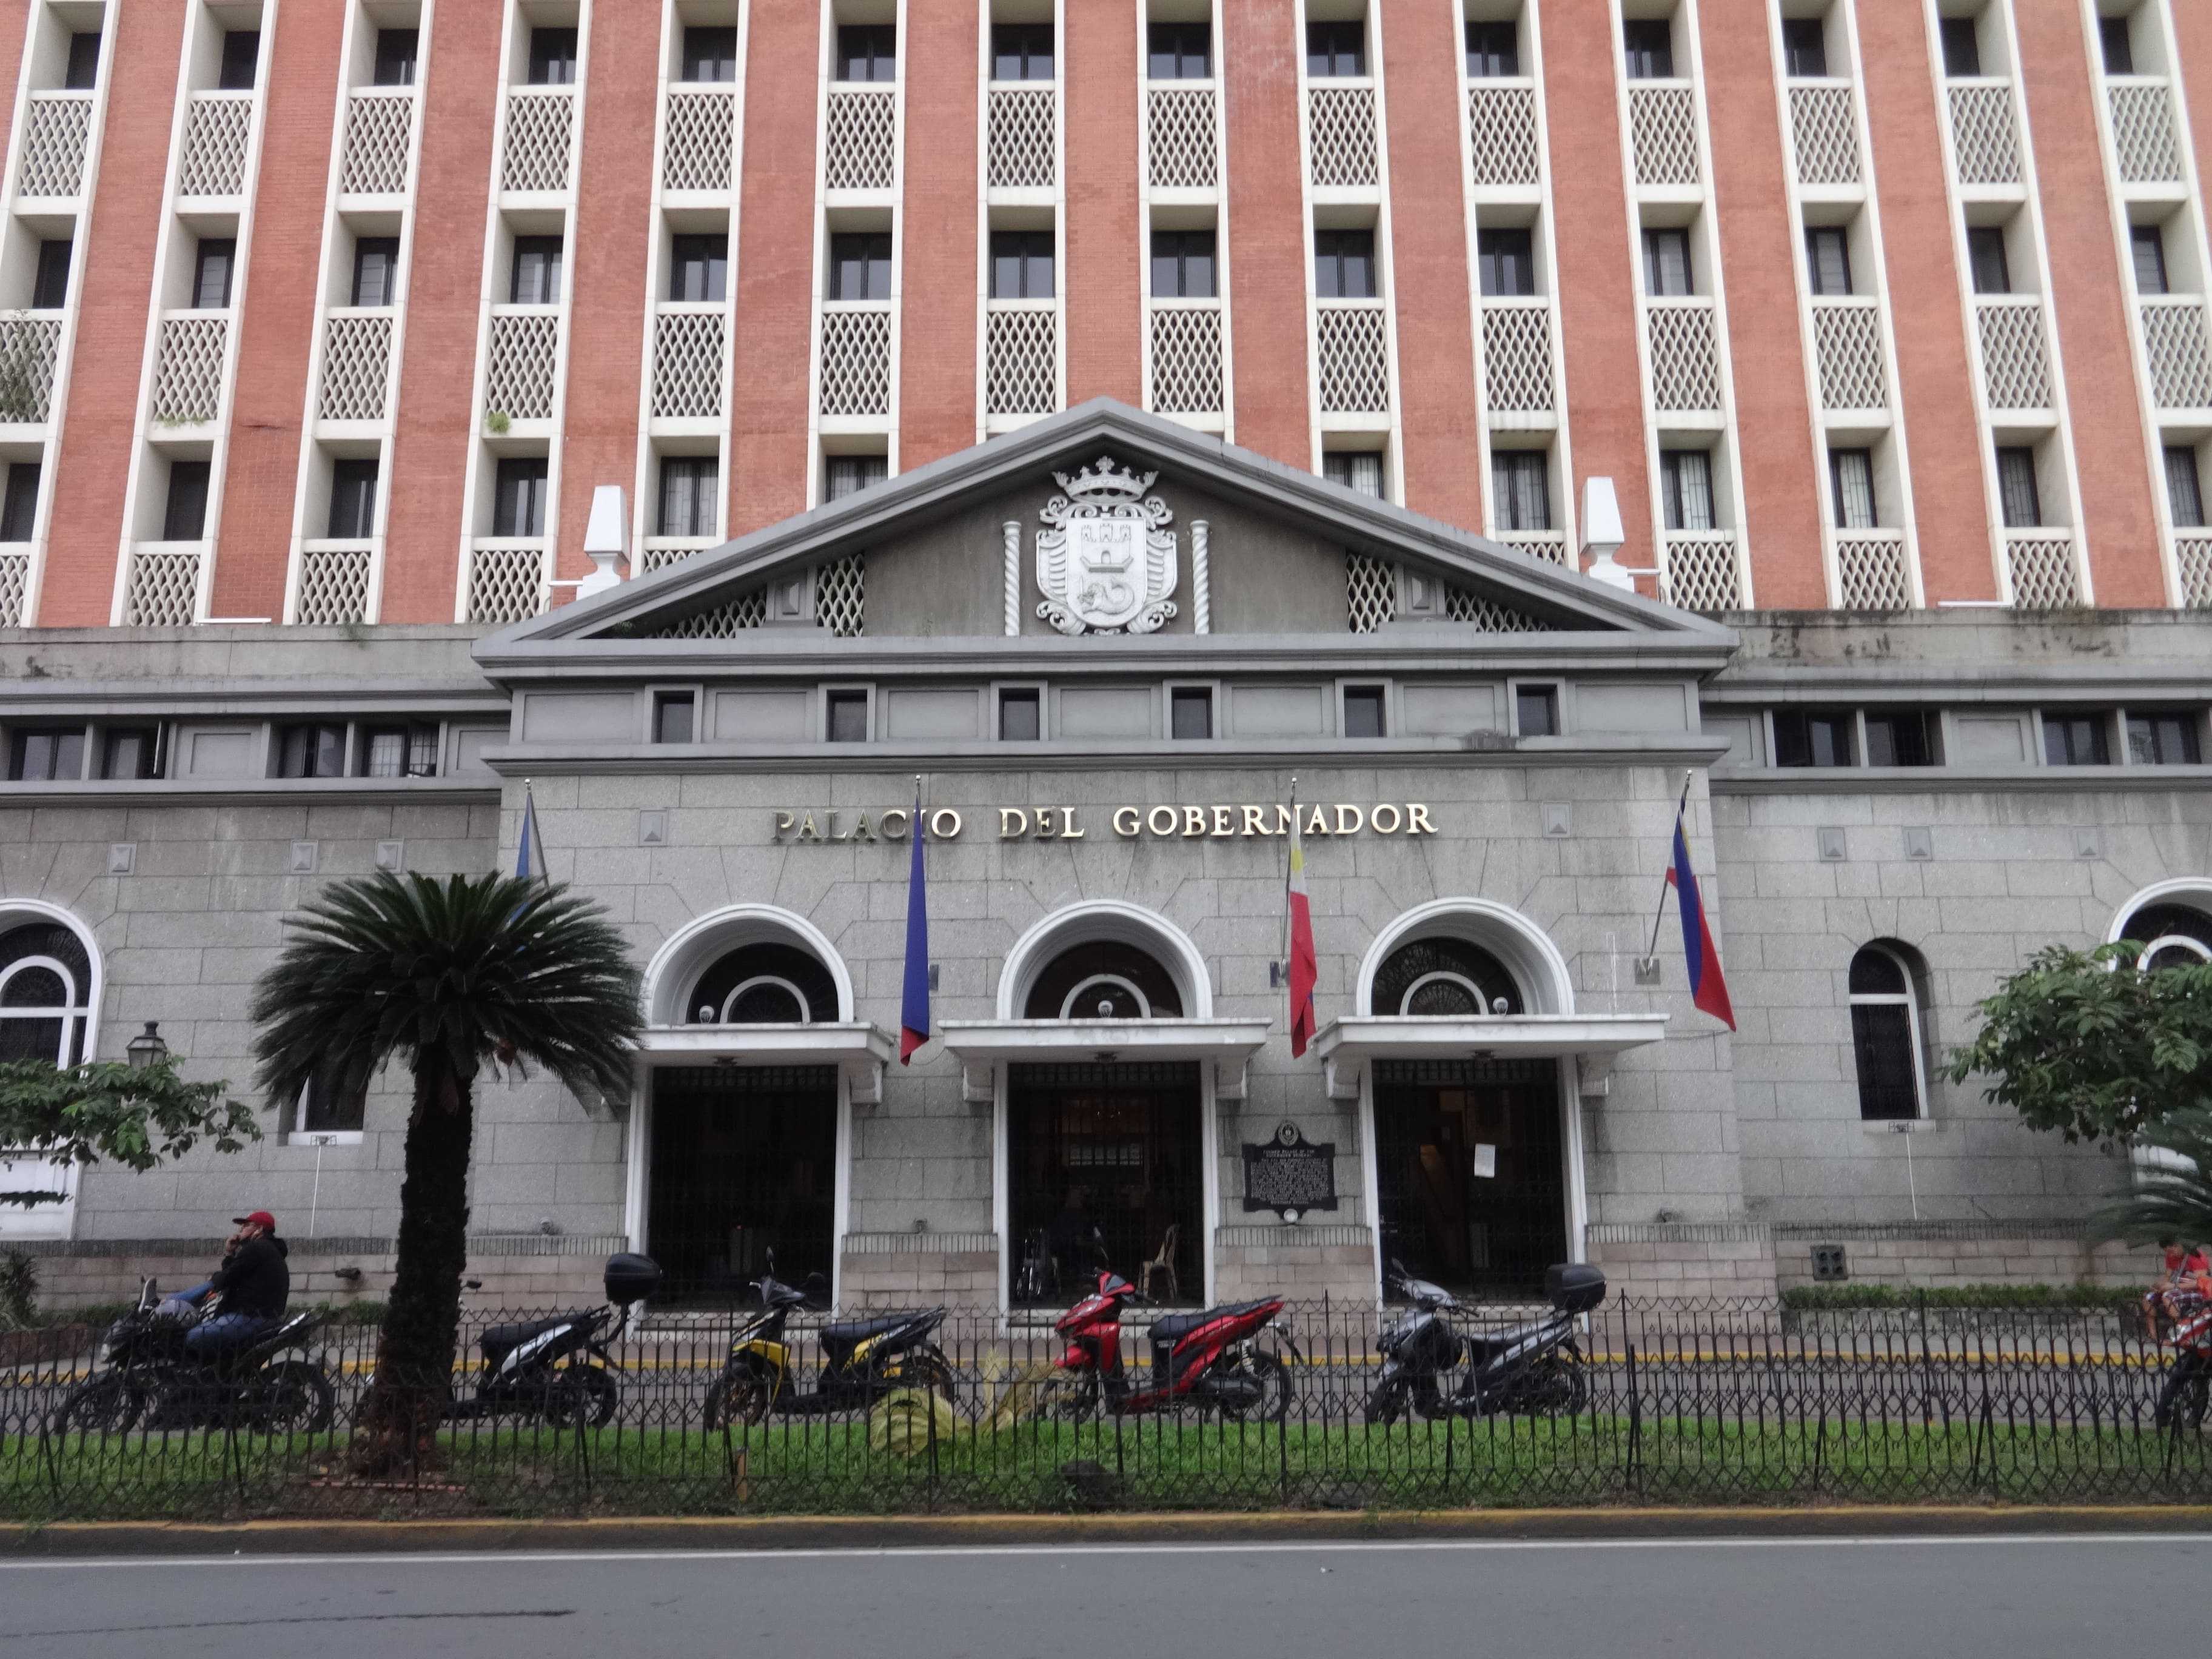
(559, 1369)
(1534, 1369)
(862, 1359)
(2180, 1313)
(152, 1378)
(1208, 1361)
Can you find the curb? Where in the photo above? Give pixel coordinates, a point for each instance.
(284, 1538)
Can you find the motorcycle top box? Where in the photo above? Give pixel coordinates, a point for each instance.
(1573, 1286)
(632, 1278)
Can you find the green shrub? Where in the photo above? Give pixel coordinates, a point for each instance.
(1811, 1298)
(19, 1291)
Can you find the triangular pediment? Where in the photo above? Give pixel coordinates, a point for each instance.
(1204, 537)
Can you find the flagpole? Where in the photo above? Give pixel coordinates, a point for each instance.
(1286, 881)
(1659, 915)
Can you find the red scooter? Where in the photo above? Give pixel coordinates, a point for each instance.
(1207, 1361)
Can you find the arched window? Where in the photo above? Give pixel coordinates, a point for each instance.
(1104, 979)
(1886, 1036)
(2172, 935)
(1444, 976)
(764, 984)
(45, 984)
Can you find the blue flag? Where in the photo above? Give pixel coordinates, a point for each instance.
(914, 1006)
(529, 851)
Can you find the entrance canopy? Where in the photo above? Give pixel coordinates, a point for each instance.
(979, 1044)
(1347, 1046)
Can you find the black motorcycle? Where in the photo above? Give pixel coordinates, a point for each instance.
(152, 1379)
(559, 1369)
(1534, 1369)
(862, 1359)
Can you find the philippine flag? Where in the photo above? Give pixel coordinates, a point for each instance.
(1708, 990)
(1304, 968)
(914, 1007)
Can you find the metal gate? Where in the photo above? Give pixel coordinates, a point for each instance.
(1113, 1147)
(744, 1161)
(1490, 1235)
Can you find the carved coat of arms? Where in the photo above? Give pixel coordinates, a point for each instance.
(1106, 559)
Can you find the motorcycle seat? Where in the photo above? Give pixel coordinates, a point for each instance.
(1175, 1325)
(858, 1330)
(500, 1340)
(1480, 1348)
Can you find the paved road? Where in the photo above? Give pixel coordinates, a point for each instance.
(1961, 1598)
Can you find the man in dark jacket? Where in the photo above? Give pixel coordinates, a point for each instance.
(255, 1283)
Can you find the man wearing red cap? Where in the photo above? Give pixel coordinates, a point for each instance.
(254, 1281)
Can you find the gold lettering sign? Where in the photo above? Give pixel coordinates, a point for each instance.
(1238, 822)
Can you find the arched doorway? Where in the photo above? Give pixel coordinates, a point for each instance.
(2173, 921)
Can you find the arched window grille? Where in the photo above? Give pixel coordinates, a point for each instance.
(1104, 979)
(1444, 977)
(1886, 1037)
(2172, 935)
(764, 984)
(45, 988)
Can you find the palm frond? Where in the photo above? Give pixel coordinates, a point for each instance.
(451, 970)
(2172, 1198)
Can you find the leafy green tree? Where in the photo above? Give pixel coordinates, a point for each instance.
(2082, 1043)
(112, 1113)
(444, 976)
(2172, 1195)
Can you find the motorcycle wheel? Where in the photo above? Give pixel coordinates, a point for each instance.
(737, 1400)
(1071, 1397)
(925, 1368)
(294, 1397)
(1387, 1404)
(1556, 1386)
(2182, 1402)
(107, 1404)
(581, 1396)
(1273, 1380)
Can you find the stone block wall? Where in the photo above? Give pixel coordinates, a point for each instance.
(887, 1271)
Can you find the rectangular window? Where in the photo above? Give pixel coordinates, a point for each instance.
(2075, 739)
(83, 74)
(395, 56)
(1020, 52)
(1899, 737)
(518, 501)
(2148, 244)
(1179, 52)
(1519, 482)
(2119, 49)
(1363, 711)
(1493, 48)
(1021, 265)
(1182, 264)
(552, 57)
(353, 499)
(1021, 714)
(867, 51)
(19, 515)
(183, 515)
(311, 752)
(710, 54)
(212, 261)
(847, 714)
(1507, 257)
(1804, 47)
(1344, 264)
(1685, 480)
(1536, 711)
(130, 752)
(1190, 713)
(51, 757)
(1851, 474)
(242, 58)
(1666, 272)
(849, 475)
(860, 265)
(699, 268)
(376, 271)
(1985, 252)
(1336, 48)
(1649, 44)
(671, 717)
(400, 751)
(50, 290)
(1962, 47)
(691, 495)
(535, 279)
(1828, 259)
(1805, 736)
(323, 1110)
(2017, 492)
(2184, 495)
(1355, 469)
(2162, 740)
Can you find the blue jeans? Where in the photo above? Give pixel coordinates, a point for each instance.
(212, 1340)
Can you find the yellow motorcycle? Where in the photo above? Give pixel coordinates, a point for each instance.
(862, 1360)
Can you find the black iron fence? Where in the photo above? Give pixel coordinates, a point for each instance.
(1721, 1402)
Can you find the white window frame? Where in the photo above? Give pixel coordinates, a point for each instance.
(1915, 1036)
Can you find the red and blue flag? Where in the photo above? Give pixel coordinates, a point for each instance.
(1708, 990)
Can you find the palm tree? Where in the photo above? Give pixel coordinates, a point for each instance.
(2172, 1199)
(444, 975)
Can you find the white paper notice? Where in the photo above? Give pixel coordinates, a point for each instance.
(1486, 1161)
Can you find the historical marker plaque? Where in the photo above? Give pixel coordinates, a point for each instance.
(1290, 1173)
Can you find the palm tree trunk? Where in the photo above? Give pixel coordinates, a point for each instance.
(397, 1431)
